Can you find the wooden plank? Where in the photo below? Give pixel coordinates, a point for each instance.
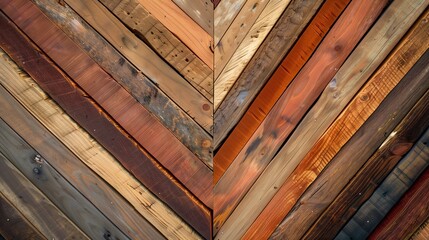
(81, 108)
(359, 66)
(201, 11)
(411, 211)
(26, 91)
(147, 93)
(215, 2)
(422, 233)
(291, 107)
(224, 15)
(372, 174)
(163, 42)
(34, 205)
(370, 214)
(181, 25)
(168, 80)
(226, 46)
(265, 61)
(360, 147)
(267, 97)
(248, 46)
(13, 225)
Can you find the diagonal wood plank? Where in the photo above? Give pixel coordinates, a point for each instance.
(224, 15)
(291, 107)
(27, 92)
(423, 232)
(201, 11)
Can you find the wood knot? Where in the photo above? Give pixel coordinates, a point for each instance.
(364, 97)
(206, 107)
(401, 149)
(338, 48)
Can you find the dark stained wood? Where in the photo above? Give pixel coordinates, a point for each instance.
(281, 78)
(216, 2)
(13, 225)
(355, 153)
(314, 143)
(291, 107)
(262, 65)
(411, 211)
(372, 174)
(132, 79)
(81, 108)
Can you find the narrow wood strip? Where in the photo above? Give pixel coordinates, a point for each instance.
(359, 66)
(422, 233)
(27, 92)
(13, 225)
(250, 44)
(277, 84)
(201, 11)
(163, 42)
(81, 108)
(181, 25)
(260, 68)
(237, 30)
(149, 95)
(34, 205)
(224, 15)
(168, 80)
(292, 105)
(372, 174)
(370, 214)
(122, 107)
(411, 211)
(360, 147)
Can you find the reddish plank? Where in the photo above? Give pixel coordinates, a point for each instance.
(83, 110)
(293, 62)
(411, 211)
(292, 106)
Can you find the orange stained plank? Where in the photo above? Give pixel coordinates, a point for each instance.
(363, 105)
(181, 25)
(130, 114)
(292, 105)
(278, 83)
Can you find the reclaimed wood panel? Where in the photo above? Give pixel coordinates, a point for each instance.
(13, 225)
(176, 87)
(181, 25)
(224, 15)
(248, 46)
(93, 155)
(372, 174)
(304, 148)
(201, 11)
(277, 84)
(291, 107)
(31, 202)
(145, 91)
(422, 233)
(408, 214)
(360, 147)
(81, 108)
(389, 192)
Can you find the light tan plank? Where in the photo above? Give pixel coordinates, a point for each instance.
(201, 11)
(224, 14)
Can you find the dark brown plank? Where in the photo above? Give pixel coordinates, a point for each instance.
(87, 113)
(411, 211)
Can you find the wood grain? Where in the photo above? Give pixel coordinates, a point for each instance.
(34, 205)
(360, 147)
(292, 105)
(359, 66)
(163, 42)
(248, 46)
(389, 192)
(81, 108)
(260, 68)
(27, 92)
(13, 225)
(372, 174)
(267, 97)
(130, 78)
(408, 214)
(224, 15)
(181, 25)
(201, 11)
(423, 232)
(168, 80)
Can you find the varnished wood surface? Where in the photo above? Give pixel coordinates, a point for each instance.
(135, 160)
(277, 84)
(285, 115)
